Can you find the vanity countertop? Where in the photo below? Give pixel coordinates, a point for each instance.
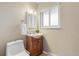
(35, 34)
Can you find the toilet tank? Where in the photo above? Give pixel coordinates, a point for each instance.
(14, 47)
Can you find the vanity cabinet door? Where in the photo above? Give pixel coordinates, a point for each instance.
(40, 45)
(35, 45)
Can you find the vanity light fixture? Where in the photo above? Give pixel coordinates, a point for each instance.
(31, 11)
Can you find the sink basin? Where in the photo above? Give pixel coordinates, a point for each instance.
(35, 35)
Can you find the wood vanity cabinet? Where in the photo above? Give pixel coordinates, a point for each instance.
(34, 45)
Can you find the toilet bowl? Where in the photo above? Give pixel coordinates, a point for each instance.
(16, 48)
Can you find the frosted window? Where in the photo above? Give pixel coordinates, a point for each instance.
(46, 18)
(49, 18)
(54, 17)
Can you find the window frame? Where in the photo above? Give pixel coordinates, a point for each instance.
(51, 27)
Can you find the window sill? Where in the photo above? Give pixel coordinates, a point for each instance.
(54, 27)
(51, 27)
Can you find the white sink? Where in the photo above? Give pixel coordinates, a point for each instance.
(35, 35)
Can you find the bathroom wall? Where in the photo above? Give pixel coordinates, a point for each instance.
(64, 41)
(10, 16)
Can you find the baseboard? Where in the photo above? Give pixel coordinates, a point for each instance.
(49, 53)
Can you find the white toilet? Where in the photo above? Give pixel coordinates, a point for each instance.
(16, 48)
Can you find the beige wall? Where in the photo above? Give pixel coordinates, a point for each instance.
(10, 16)
(64, 41)
(61, 42)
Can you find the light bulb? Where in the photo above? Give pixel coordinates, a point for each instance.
(31, 11)
(35, 13)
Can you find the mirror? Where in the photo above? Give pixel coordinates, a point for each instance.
(31, 20)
